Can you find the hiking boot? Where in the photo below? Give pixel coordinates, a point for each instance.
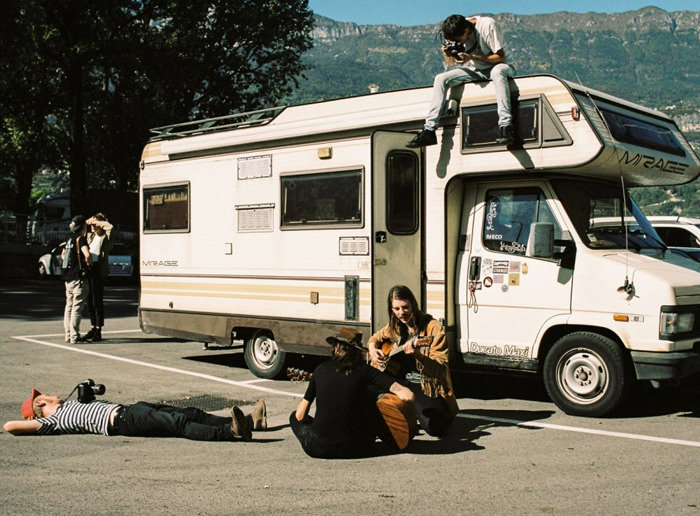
(423, 139)
(97, 337)
(239, 425)
(89, 335)
(506, 136)
(258, 418)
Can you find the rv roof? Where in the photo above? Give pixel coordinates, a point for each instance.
(221, 123)
(615, 100)
(396, 108)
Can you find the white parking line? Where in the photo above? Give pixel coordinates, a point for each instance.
(246, 384)
(251, 384)
(535, 424)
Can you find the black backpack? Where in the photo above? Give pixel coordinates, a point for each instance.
(70, 256)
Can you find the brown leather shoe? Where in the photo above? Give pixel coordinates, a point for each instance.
(259, 416)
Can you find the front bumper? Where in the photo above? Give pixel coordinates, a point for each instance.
(665, 366)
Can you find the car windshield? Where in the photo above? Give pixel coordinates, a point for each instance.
(606, 217)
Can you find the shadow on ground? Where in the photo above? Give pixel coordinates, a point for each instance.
(34, 300)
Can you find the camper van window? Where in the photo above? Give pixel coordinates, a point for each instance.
(328, 199)
(166, 208)
(402, 202)
(605, 217)
(628, 129)
(480, 124)
(508, 216)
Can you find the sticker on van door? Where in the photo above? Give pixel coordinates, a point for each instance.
(500, 267)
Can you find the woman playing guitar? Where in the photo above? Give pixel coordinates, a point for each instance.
(435, 402)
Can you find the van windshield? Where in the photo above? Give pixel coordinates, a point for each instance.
(605, 217)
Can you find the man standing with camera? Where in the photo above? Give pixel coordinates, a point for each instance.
(50, 415)
(75, 267)
(473, 52)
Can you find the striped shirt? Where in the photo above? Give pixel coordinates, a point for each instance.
(73, 417)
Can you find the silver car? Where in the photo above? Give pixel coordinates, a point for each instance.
(120, 262)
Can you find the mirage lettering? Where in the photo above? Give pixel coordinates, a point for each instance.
(651, 163)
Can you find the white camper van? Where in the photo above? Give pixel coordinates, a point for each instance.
(273, 228)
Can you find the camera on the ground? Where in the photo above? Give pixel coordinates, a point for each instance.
(87, 389)
(454, 48)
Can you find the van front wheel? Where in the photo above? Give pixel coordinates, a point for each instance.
(586, 374)
(263, 356)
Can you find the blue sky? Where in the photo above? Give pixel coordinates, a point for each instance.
(419, 12)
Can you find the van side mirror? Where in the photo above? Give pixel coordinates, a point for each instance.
(540, 242)
(566, 252)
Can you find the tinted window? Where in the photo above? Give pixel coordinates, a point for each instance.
(333, 199)
(628, 129)
(166, 208)
(481, 124)
(509, 214)
(402, 203)
(677, 237)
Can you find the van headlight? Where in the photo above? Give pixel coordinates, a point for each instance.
(674, 323)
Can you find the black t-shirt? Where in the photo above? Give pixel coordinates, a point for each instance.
(340, 398)
(77, 260)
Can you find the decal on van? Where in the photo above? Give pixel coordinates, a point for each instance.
(500, 351)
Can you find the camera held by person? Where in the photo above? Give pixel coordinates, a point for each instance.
(454, 48)
(87, 390)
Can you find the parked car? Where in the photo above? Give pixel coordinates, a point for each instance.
(121, 263)
(676, 231)
(50, 263)
(688, 257)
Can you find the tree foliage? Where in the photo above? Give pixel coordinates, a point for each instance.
(87, 78)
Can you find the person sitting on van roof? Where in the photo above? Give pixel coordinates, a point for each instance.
(473, 52)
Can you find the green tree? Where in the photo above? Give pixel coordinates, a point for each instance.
(27, 138)
(114, 69)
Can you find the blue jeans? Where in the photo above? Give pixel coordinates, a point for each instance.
(498, 74)
(144, 419)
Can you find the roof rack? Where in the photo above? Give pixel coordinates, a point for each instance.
(220, 123)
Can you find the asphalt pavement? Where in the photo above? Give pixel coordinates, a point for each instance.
(510, 450)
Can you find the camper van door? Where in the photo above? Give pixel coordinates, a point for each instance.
(511, 294)
(397, 220)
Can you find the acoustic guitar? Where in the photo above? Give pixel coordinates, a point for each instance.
(390, 348)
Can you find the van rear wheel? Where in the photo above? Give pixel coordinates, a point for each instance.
(586, 374)
(263, 356)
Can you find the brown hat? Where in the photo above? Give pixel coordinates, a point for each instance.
(28, 405)
(347, 336)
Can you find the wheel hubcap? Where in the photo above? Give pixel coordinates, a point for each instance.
(583, 376)
(265, 351)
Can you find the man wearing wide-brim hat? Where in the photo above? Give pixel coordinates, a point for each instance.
(345, 389)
